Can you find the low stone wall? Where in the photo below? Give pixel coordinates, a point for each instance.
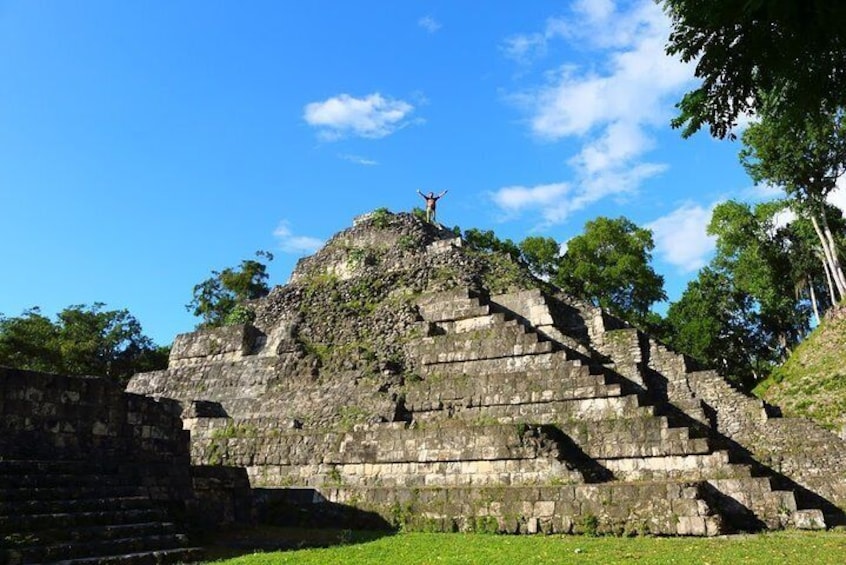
(141, 439)
(54, 417)
(612, 508)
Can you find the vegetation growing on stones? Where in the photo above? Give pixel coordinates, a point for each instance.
(812, 383)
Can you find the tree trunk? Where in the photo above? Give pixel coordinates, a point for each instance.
(829, 260)
(829, 281)
(832, 246)
(813, 299)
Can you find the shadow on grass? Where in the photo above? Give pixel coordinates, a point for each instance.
(297, 518)
(264, 538)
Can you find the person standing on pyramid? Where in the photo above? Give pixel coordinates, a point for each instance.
(431, 205)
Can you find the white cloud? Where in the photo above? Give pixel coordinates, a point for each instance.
(611, 108)
(838, 196)
(373, 116)
(290, 243)
(548, 198)
(429, 23)
(764, 191)
(525, 47)
(681, 238)
(358, 159)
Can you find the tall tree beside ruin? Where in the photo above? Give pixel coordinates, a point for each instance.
(716, 323)
(805, 157)
(792, 51)
(542, 255)
(753, 255)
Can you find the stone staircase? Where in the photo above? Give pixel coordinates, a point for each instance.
(79, 512)
(508, 427)
(472, 337)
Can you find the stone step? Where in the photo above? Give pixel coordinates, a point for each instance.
(655, 507)
(486, 351)
(560, 360)
(56, 466)
(86, 550)
(501, 472)
(59, 480)
(453, 348)
(479, 323)
(763, 505)
(34, 522)
(694, 467)
(646, 436)
(67, 493)
(159, 557)
(19, 507)
(451, 308)
(525, 386)
(447, 440)
(541, 413)
(103, 532)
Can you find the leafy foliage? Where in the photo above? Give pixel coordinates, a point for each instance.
(805, 156)
(220, 299)
(542, 255)
(488, 241)
(753, 255)
(609, 265)
(84, 340)
(716, 324)
(783, 52)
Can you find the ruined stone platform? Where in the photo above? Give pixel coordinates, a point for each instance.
(441, 387)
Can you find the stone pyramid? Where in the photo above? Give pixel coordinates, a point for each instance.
(404, 375)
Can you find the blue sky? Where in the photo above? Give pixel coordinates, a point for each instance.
(145, 144)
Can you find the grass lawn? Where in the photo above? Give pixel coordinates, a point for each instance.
(812, 548)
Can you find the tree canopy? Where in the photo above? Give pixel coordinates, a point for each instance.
(609, 265)
(715, 323)
(806, 157)
(793, 51)
(83, 340)
(220, 299)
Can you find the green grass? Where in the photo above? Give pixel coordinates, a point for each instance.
(818, 548)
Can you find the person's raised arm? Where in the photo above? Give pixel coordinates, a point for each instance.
(444, 192)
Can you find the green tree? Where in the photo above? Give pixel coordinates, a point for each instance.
(542, 255)
(609, 265)
(752, 253)
(792, 51)
(220, 299)
(805, 157)
(84, 340)
(716, 324)
(487, 240)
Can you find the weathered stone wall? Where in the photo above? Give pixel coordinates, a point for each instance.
(54, 417)
(615, 508)
(794, 447)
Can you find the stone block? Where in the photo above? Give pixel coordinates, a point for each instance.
(810, 519)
